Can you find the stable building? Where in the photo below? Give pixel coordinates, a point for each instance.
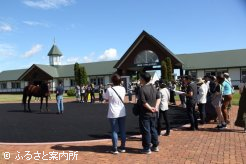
(145, 54)
(215, 63)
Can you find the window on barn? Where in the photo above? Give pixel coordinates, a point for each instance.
(243, 72)
(193, 74)
(97, 80)
(93, 80)
(3, 85)
(100, 80)
(210, 73)
(72, 82)
(15, 85)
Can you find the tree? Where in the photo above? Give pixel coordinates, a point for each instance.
(76, 73)
(84, 76)
(169, 69)
(80, 74)
(164, 71)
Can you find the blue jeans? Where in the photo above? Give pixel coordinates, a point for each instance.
(118, 125)
(149, 132)
(60, 103)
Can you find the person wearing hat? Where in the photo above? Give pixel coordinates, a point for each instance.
(149, 99)
(227, 76)
(227, 95)
(202, 91)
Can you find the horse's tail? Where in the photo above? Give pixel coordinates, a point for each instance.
(24, 96)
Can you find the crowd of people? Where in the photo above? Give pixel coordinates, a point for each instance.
(208, 98)
(213, 97)
(86, 93)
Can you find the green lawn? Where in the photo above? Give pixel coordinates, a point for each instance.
(10, 97)
(18, 97)
(235, 99)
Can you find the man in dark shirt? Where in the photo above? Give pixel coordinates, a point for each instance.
(191, 96)
(59, 97)
(149, 99)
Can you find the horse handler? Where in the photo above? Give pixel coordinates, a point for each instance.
(59, 98)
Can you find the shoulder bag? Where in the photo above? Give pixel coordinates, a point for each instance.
(118, 96)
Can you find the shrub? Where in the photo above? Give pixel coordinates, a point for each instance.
(71, 92)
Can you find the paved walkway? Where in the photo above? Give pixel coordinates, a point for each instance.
(204, 146)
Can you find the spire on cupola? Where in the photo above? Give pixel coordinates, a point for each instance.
(55, 55)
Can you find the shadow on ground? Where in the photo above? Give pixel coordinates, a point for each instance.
(80, 121)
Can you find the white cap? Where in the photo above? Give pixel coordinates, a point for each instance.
(226, 74)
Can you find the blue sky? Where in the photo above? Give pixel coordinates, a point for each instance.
(98, 30)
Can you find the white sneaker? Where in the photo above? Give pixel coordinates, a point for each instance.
(224, 125)
(122, 150)
(146, 151)
(114, 152)
(155, 149)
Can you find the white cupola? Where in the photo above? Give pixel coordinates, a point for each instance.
(55, 55)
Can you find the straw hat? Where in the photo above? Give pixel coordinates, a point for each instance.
(199, 80)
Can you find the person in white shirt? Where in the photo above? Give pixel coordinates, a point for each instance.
(163, 109)
(116, 112)
(202, 91)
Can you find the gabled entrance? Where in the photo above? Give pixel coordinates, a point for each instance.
(146, 53)
(35, 74)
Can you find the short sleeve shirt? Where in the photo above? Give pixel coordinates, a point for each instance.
(226, 88)
(116, 108)
(148, 94)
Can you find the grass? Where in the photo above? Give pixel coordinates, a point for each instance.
(235, 98)
(18, 97)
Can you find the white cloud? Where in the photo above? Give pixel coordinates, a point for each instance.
(4, 27)
(34, 50)
(48, 4)
(87, 59)
(109, 54)
(72, 60)
(7, 50)
(35, 23)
